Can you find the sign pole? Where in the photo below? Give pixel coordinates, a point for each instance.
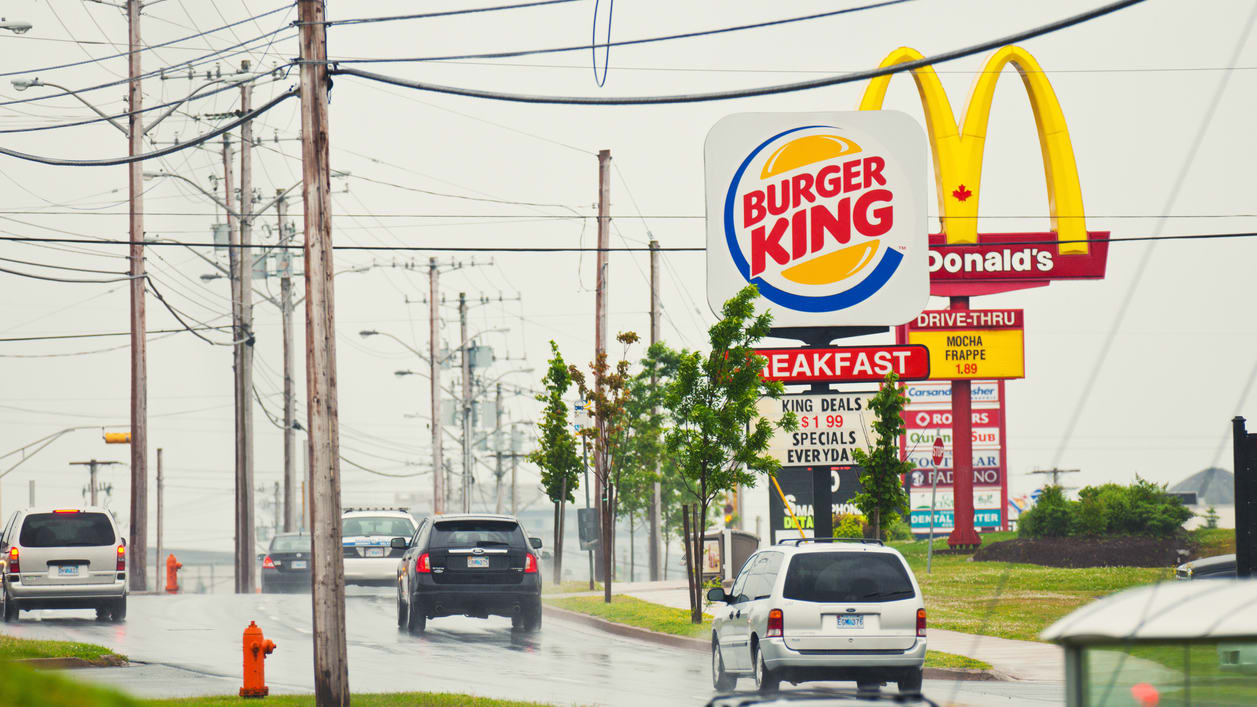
(963, 533)
(938, 461)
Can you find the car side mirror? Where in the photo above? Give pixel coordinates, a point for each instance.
(535, 542)
(717, 594)
(399, 543)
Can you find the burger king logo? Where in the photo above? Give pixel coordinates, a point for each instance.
(824, 218)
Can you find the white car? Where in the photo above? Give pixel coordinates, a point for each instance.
(804, 610)
(366, 538)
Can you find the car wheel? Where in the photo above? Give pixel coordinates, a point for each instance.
(720, 679)
(10, 608)
(910, 683)
(102, 612)
(417, 621)
(532, 617)
(402, 614)
(765, 679)
(118, 611)
(868, 686)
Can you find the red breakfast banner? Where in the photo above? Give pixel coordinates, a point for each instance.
(846, 363)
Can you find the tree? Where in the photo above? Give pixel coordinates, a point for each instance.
(718, 438)
(611, 433)
(556, 453)
(882, 498)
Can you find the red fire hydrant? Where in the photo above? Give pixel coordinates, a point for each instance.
(172, 574)
(256, 648)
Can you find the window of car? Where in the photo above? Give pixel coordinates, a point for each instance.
(67, 530)
(6, 537)
(388, 526)
(846, 577)
(763, 575)
(420, 533)
(473, 533)
(738, 592)
(290, 543)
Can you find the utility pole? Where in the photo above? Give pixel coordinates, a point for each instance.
(497, 443)
(91, 475)
(600, 350)
(285, 310)
(1056, 474)
(278, 509)
(434, 377)
(139, 352)
(331, 668)
(514, 488)
(157, 561)
(466, 360)
(235, 258)
(30, 492)
(246, 530)
(656, 491)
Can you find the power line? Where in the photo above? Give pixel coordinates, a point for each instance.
(442, 13)
(50, 278)
(746, 92)
(623, 43)
(58, 337)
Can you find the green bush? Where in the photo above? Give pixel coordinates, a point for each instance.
(848, 525)
(1142, 508)
(898, 530)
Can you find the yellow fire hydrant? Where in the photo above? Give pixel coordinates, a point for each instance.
(256, 648)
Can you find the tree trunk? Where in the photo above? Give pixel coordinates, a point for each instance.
(608, 547)
(557, 539)
(632, 554)
(698, 526)
(687, 555)
(877, 525)
(667, 545)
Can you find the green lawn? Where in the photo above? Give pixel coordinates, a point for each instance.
(1007, 599)
(569, 587)
(1214, 541)
(19, 648)
(387, 699)
(939, 659)
(635, 612)
(20, 685)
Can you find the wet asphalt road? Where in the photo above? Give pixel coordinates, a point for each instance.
(191, 645)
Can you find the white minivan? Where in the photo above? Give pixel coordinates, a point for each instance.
(805, 610)
(63, 558)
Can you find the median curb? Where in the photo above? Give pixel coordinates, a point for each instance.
(701, 646)
(114, 661)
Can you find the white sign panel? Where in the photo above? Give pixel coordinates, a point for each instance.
(939, 393)
(824, 212)
(830, 426)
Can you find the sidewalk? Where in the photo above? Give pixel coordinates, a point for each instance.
(1020, 660)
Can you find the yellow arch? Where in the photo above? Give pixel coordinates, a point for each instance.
(958, 156)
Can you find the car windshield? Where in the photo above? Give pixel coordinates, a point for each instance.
(66, 530)
(291, 543)
(470, 533)
(846, 577)
(390, 526)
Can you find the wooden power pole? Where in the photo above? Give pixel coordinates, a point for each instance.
(139, 352)
(246, 530)
(465, 354)
(603, 559)
(285, 310)
(434, 376)
(158, 586)
(331, 668)
(656, 505)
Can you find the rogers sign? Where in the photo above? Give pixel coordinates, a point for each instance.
(823, 212)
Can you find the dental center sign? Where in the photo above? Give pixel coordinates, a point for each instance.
(823, 212)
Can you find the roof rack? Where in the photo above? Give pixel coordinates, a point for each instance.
(800, 541)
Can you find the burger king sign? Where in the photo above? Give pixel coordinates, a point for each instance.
(823, 212)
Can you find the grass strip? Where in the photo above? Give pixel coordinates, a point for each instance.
(939, 659)
(570, 586)
(12, 648)
(385, 699)
(632, 611)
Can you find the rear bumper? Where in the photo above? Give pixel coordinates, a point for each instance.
(371, 570)
(839, 664)
(477, 600)
(65, 596)
(274, 580)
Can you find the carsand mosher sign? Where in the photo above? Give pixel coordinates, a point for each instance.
(824, 212)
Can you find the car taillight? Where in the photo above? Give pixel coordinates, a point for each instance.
(66, 510)
(13, 563)
(423, 565)
(775, 624)
(530, 563)
(122, 557)
(921, 623)
(267, 563)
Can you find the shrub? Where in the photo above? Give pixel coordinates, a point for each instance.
(1143, 508)
(898, 530)
(848, 525)
(1050, 516)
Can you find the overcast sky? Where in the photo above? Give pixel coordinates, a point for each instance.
(1134, 87)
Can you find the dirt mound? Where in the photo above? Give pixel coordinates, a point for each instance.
(1089, 552)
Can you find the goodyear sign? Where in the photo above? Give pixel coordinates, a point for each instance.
(823, 212)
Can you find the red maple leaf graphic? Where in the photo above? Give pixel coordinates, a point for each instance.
(961, 193)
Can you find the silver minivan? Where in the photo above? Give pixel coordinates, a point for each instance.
(63, 558)
(804, 610)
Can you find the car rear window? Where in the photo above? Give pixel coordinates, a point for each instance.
(846, 577)
(291, 543)
(66, 530)
(472, 533)
(390, 526)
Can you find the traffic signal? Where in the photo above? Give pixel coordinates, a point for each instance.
(117, 438)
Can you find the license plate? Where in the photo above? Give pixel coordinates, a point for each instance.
(477, 562)
(67, 570)
(375, 552)
(851, 621)
(298, 564)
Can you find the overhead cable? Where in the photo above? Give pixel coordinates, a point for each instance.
(50, 278)
(111, 161)
(745, 92)
(440, 13)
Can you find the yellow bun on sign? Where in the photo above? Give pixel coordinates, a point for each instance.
(806, 150)
(832, 267)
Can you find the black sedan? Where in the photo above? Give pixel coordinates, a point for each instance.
(286, 566)
(1216, 567)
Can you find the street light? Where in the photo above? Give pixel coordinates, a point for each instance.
(23, 84)
(15, 26)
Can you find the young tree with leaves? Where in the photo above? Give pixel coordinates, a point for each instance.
(556, 453)
(883, 498)
(718, 437)
(610, 434)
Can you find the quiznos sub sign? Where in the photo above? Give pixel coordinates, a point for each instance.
(823, 212)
